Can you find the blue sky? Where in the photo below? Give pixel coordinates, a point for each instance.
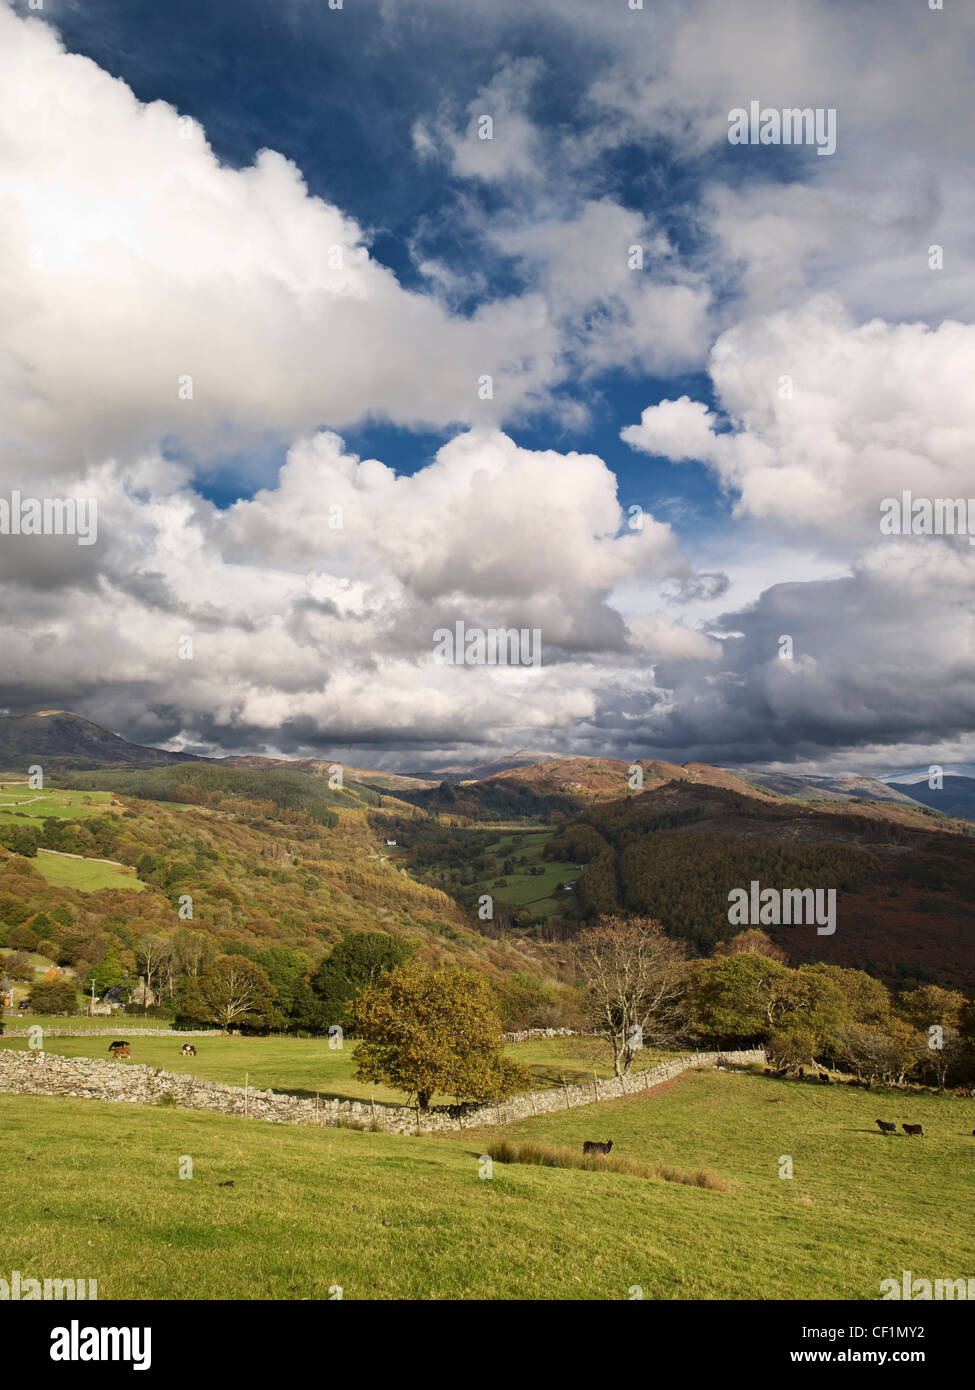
(340, 100)
(784, 357)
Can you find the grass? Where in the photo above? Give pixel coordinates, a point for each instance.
(544, 892)
(87, 875)
(551, 1156)
(97, 1194)
(100, 1024)
(300, 1066)
(17, 801)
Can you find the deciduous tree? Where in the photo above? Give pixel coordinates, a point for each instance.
(424, 1031)
(633, 978)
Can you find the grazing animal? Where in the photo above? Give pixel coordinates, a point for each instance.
(783, 1071)
(914, 1129)
(887, 1128)
(188, 1050)
(802, 1073)
(769, 1072)
(825, 1080)
(120, 1050)
(114, 1045)
(592, 1146)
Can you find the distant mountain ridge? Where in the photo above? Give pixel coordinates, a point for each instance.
(66, 740)
(478, 772)
(70, 742)
(955, 797)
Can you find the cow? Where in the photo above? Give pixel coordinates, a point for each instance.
(114, 1047)
(122, 1050)
(913, 1129)
(188, 1050)
(825, 1079)
(887, 1128)
(592, 1146)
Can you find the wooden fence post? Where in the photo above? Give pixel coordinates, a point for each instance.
(565, 1092)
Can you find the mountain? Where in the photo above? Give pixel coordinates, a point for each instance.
(956, 797)
(477, 772)
(607, 779)
(58, 739)
(573, 779)
(921, 774)
(562, 785)
(804, 787)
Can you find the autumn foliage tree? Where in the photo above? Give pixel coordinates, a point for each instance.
(232, 992)
(425, 1031)
(53, 997)
(632, 974)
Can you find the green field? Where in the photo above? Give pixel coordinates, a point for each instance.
(18, 801)
(87, 875)
(545, 893)
(96, 1193)
(302, 1066)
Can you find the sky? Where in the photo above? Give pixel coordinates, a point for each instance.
(341, 372)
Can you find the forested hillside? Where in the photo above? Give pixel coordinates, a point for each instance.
(904, 891)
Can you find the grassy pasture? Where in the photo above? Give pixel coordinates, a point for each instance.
(302, 1066)
(87, 875)
(17, 801)
(96, 1192)
(544, 893)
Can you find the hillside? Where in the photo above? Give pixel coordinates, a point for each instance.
(268, 859)
(956, 796)
(559, 785)
(322, 767)
(905, 881)
(812, 788)
(387, 1217)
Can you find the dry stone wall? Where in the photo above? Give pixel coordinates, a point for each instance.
(47, 1073)
(527, 1033)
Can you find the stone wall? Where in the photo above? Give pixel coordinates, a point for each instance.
(547, 1033)
(47, 1073)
